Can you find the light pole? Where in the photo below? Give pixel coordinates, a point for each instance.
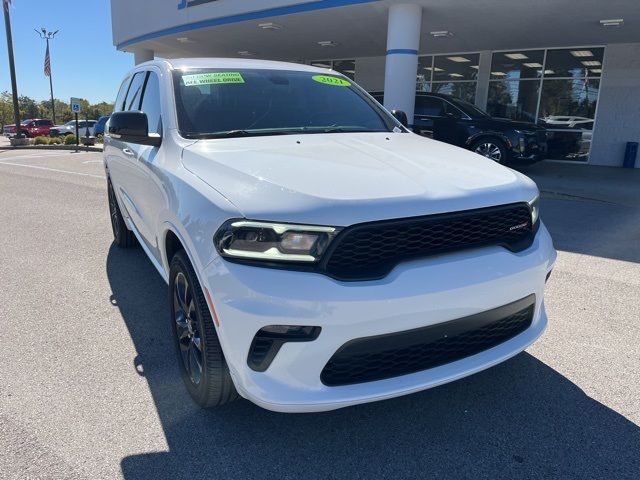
(46, 35)
(12, 69)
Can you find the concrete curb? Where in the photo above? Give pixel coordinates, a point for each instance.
(54, 147)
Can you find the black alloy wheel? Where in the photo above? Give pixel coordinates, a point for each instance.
(203, 367)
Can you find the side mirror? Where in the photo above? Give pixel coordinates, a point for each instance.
(132, 127)
(401, 117)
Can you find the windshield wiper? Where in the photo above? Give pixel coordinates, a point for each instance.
(280, 131)
(239, 133)
(336, 129)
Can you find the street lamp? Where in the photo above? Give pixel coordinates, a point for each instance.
(46, 35)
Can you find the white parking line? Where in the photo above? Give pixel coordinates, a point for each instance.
(52, 169)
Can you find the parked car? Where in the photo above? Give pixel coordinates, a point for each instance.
(318, 254)
(568, 121)
(32, 127)
(70, 128)
(455, 121)
(99, 127)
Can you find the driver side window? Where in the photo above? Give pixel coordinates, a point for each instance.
(429, 107)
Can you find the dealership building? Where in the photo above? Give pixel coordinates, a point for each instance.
(572, 66)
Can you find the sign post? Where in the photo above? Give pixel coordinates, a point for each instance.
(76, 108)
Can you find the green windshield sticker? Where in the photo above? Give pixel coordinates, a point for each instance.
(327, 80)
(212, 78)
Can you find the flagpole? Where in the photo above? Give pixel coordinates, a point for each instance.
(49, 36)
(12, 67)
(53, 102)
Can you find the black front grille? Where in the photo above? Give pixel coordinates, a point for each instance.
(386, 356)
(372, 250)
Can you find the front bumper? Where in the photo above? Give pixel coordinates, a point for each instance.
(529, 149)
(415, 294)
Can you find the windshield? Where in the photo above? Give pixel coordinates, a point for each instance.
(244, 102)
(468, 108)
(71, 122)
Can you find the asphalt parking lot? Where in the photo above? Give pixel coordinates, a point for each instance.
(89, 387)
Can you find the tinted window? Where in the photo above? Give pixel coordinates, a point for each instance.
(517, 65)
(119, 105)
(430, 106)
(263, 102)
(468, 108)
(456, 67)
(44, 122)
(513, 99)
(132, 101)
(151, 103)
(579, 62)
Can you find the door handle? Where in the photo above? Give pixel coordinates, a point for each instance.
(128, 152)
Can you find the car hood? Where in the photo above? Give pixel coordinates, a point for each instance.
(344, 178)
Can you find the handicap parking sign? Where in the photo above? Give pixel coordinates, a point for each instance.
(75, 105)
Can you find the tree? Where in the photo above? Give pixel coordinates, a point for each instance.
(6, 108)
(30, 108)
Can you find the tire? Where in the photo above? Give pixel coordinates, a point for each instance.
(203, 368)
(122, 236)
(491, 148)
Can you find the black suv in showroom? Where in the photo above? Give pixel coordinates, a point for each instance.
(455, 121)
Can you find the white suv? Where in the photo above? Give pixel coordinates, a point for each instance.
(318, 254)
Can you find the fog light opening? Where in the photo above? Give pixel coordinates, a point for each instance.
(268, 340)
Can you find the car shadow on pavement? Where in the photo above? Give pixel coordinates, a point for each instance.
(592, 227)
(520, 419)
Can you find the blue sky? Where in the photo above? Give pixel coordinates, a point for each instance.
(85, 64)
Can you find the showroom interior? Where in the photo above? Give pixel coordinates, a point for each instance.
(572, 68)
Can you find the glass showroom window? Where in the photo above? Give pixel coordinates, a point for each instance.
(452, 74)
(568, 100)
(556, 88)
(514, 88)
(345, 67)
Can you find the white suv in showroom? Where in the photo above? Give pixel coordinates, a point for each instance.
(318, 254)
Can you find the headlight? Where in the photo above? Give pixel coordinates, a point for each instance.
(535, 209)
(245, 239)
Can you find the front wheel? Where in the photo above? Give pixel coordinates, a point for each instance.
(491, 148)
(203, 367)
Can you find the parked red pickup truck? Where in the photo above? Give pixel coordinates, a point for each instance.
(32, 127)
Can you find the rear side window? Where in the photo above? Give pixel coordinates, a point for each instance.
(429, 106)
(151, 103)
(134, 95)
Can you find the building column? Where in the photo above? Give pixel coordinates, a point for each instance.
(403, 41)
(618, 105)
(484, 74)
(142, 55)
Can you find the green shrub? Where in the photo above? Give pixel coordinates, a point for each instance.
(100, 138)
(55, 141)
(70, 140)
(41, 141)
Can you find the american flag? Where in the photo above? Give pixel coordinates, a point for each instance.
(47, 63)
